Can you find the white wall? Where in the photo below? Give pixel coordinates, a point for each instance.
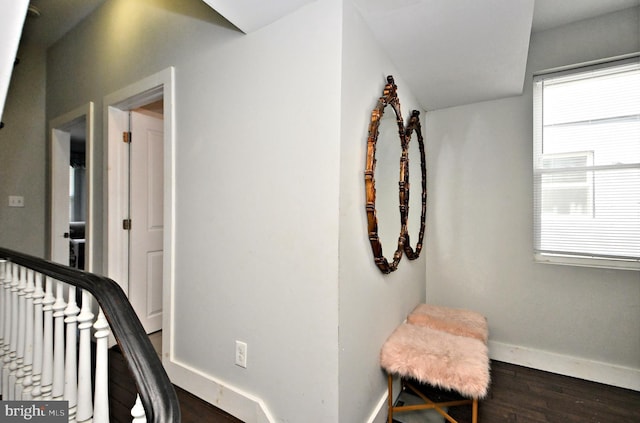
(257, 193)
(22, 155)
(578, 321)
(257, 185)
(12, 16)
(371, 304)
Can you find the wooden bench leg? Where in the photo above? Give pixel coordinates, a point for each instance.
(430, 404)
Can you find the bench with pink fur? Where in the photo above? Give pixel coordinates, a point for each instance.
(442, 347)
(456, 321)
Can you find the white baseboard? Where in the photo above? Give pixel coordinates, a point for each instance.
(240, 404)
(610, 374)
(379, 414)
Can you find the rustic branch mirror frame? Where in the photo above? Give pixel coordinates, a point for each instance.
(415, 127)
(389, 98)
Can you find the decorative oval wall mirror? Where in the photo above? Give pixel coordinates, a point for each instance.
(386, 137)
(416, 154)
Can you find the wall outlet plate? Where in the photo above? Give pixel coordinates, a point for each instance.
(241, 354)
(16, 201)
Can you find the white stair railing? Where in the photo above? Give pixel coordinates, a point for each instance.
(46, 342)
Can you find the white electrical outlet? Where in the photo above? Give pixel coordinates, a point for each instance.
(241, 354)
(16, 201)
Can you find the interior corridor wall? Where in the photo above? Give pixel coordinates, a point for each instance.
(22, 159)
(257, 183)
(371, 304)
(479, 252)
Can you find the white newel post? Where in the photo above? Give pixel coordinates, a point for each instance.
(27, 367)
(6, 353)
(85, 322)
(33, 391)
(57, 391)
(46, 381)
(71, 358)
(13, 366)
(101, 398)
(137, 412)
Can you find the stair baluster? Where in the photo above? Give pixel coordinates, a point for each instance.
(46, 381)
(101, 396)
(22, 329)
(85, 322)
(26, 379)
(3, 270)
(137, 412)
(10, 373)
(71, 355)
(32, 391)
(6, 356)
(57, 391)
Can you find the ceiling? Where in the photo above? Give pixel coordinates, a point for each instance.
(449, 52)
(454, 52)
(549, 14)
(56, 18)
(249, 15)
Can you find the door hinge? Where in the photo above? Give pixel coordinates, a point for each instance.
(126, 137)
(126, 224)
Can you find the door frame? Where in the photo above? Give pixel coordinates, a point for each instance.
(62, 124)
(116, 252)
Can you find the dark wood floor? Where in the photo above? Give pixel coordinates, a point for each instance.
(122, 395)
(517, 395)
(523, 395)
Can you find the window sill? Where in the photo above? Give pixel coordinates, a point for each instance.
(594, 262)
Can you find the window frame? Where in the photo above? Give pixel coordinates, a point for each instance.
(567, 258)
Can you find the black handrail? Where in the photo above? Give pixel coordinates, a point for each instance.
(157, 394)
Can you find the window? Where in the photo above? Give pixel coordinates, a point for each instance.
(567, 192)
(586, 165)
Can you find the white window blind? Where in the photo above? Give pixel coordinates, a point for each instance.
(586, 165)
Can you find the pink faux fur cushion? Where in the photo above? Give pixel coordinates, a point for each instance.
(452, 320)
(438, 358)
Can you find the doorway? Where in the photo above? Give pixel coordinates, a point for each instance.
(71, 211)
(139, 195)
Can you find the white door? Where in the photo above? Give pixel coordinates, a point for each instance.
(146, 214)
(60, 164)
